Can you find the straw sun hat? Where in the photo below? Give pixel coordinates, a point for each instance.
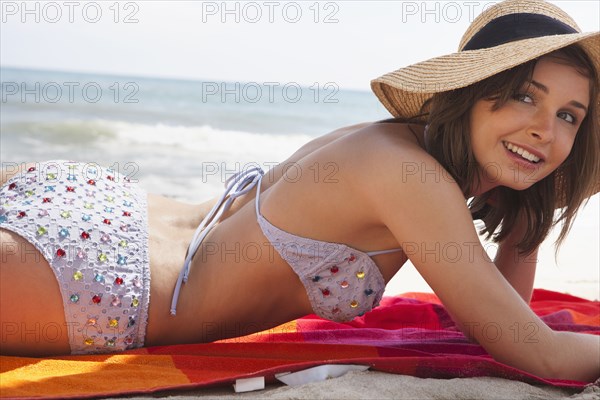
(507, 34)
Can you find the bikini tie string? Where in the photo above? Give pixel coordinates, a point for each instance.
(236, 186)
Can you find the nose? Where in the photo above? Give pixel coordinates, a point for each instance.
(542, 126)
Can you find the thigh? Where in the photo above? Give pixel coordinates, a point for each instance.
(32, 318)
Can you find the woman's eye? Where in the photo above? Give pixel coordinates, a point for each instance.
(524, 97)
(568, 117)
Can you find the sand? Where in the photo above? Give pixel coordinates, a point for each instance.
(379, 385)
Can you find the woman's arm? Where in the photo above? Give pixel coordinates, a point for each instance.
(426, 212)
(518, 270)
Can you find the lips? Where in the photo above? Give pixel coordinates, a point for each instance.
(526, 155)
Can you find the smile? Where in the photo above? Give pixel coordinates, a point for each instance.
(522, 152)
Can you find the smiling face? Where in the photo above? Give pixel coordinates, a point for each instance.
(532, 134)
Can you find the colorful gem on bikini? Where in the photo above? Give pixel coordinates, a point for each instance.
(126, 194)
(97, 298)
(123, 243)
(105, 238)
(369, 292)
(116, 301)
(71, 177)
(70, 189)
(89, 193)
(12, 186)
(78, 275)
(316, 278)
(113, 323)
(131, 322)
(65, 214)
(81, 254)
(344, 284)
(126, 214)
(88, 206)
(68, 202)
(360, 274)
(92, 171)
(89, 341)
(61, 253)
(74, 298)
(334, 269)
(26, 203)
(118, 280)
(125, 228)
(110, 178)
(31, 169)
(85, 235)
(31, 179)
(21, 214)
(91, 322)
(2, 218)
(91, 182)
(50, 176)
(351, 258)
(354, 304)
(47, 200)
(106, 221)
(325, 292)
(127, 203)
(122, 260)
(63, 232)
(108, 209)
(102, 257)
(135, 302)
(43, 213)
(50, 188)
(41, 230)
(99, 278)
(335, 310)
(110, 199)
(128, 340)
(29, 193)
(136, 282)
(110, 342)
(86, 217)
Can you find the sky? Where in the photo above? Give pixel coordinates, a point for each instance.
(347, 43)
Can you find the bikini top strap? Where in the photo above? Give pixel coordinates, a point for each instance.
(236, 186)
(257, 200)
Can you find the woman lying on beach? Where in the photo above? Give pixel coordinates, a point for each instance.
(506, 130)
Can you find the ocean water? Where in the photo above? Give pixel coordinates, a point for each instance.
(182, 139)
(178, 138)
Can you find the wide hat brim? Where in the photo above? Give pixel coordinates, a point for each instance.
(403, 92)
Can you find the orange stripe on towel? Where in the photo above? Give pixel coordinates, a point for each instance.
(68, 376)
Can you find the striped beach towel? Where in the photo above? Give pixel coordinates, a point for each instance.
(408, 334)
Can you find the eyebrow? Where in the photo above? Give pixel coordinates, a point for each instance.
(545, 89)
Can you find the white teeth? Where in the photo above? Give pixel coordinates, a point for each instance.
(522, 152)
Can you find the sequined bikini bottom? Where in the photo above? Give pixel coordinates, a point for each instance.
(90, 224)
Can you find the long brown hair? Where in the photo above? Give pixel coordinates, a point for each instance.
(448, 140)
